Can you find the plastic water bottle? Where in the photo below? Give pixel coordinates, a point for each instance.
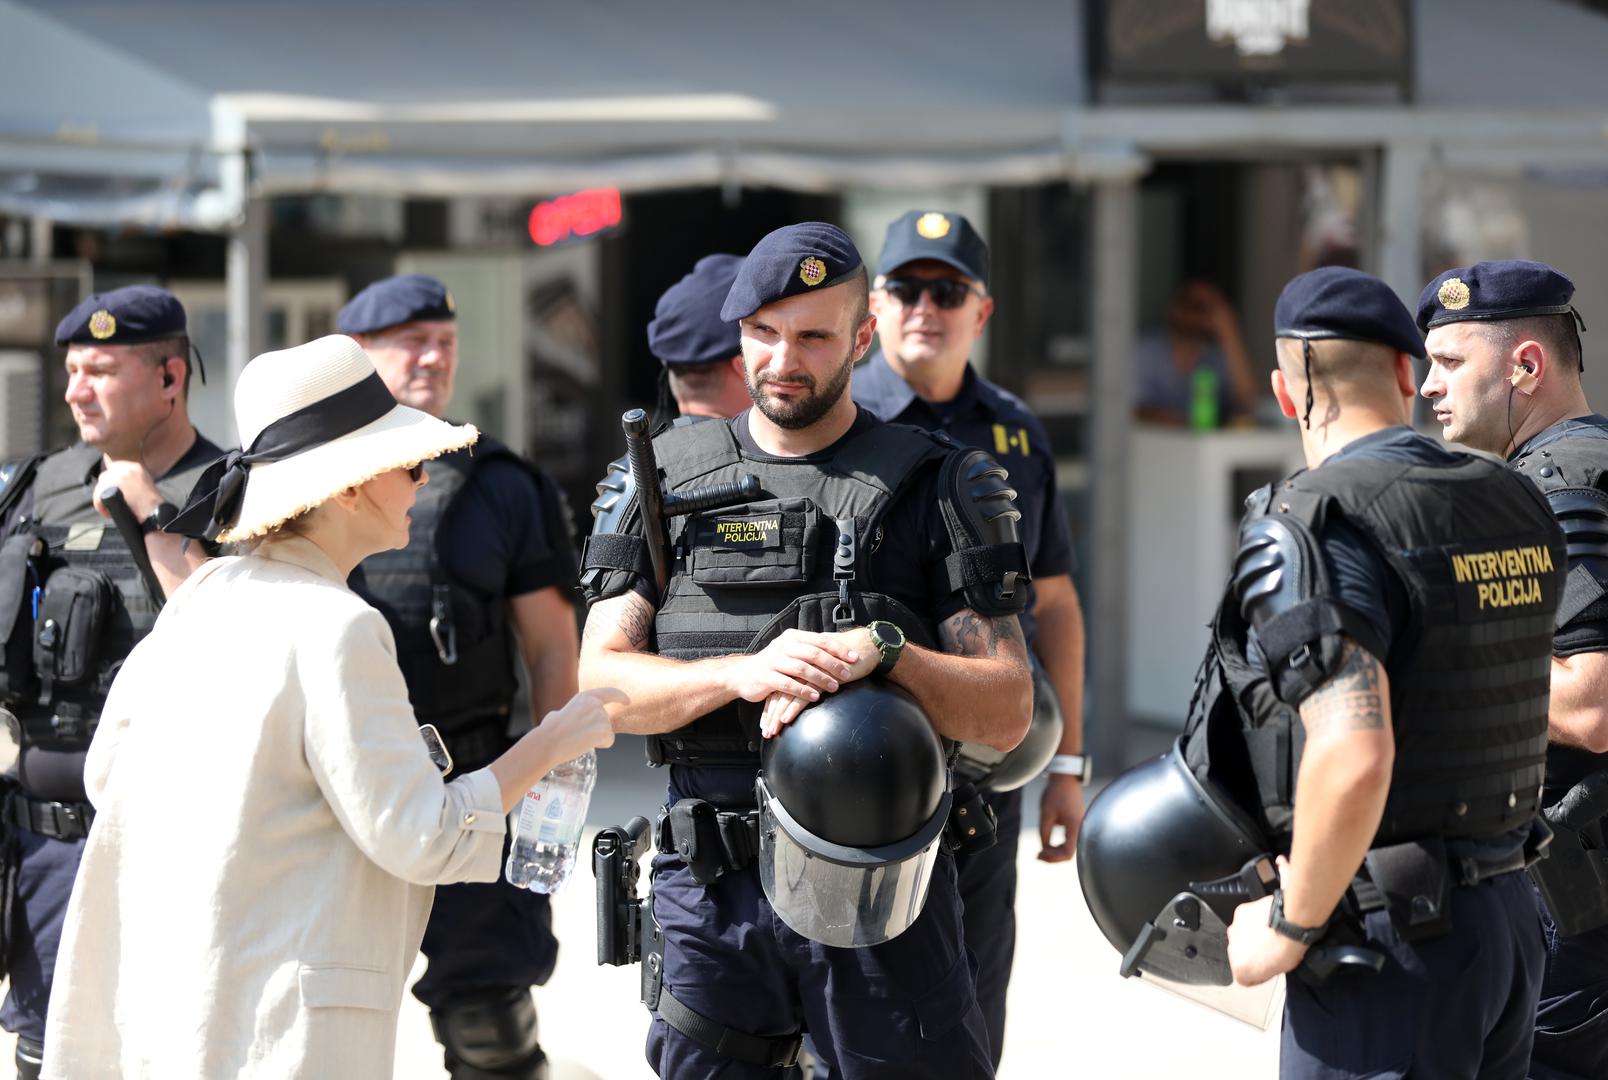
(550, 822)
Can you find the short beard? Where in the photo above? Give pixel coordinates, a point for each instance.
(796, 415)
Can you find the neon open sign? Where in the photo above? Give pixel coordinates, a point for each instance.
(575, 216)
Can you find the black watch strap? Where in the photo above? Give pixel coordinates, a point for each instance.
(890, 642)
(160, 518)
(1304, 935)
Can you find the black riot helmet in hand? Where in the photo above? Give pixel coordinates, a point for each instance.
(1007, 770)
(853, 797)
(1164, 857)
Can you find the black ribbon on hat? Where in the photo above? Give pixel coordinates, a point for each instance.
(215, 502)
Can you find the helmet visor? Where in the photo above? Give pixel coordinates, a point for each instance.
(842, 896)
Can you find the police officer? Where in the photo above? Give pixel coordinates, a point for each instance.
(931, 301)
(485, 582)
(700, 352)
(1387, 630)
(75, 602)
(767, 607)
(1504, 377)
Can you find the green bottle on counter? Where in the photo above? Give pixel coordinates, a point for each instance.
(1203, 400)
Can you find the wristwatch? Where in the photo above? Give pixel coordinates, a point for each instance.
(1078, 765)
(1304, 935)
(160, 518)
(890, 643)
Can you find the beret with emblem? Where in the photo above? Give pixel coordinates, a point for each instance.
(687, 327)
(128, 316)
(1339, 302)
(1494, 290)
(807, 257)
(934, 234)
(396, 300)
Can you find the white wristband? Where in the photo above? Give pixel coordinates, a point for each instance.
(1066, 765)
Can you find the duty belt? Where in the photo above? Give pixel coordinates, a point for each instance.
(708, 840)
(57, 820)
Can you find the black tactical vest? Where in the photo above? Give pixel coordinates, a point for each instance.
(70, 589)
(1483, 565)
(1571, 459)
(454, 645)
(799, 557)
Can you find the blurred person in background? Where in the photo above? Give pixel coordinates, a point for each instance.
(701, 356)
(1195, 373)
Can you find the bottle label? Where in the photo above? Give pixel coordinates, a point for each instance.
(555, 828)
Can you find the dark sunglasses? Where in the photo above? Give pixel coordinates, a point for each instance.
(416, 472)
(947, 293)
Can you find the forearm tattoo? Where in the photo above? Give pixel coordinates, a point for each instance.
(1352, 699)
(967, 633)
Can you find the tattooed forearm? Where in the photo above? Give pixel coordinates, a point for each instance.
(1352, 699)
(967, 633)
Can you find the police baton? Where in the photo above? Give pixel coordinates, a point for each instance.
(657, 507)
(128, 528)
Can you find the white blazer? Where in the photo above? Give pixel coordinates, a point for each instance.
(269, 831)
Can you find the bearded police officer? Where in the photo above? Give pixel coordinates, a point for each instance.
(485, 582)
(75, 599)
(1387, 633)
(931, 303)
(868, 548)
(700, 352)
(1504, 376)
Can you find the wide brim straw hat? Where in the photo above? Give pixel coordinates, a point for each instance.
(314, 423)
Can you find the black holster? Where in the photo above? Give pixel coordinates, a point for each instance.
(1414, 883)
(708, 840)
(972, 826)
(1573, 878)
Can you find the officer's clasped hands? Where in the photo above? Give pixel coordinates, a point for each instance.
(824, 661)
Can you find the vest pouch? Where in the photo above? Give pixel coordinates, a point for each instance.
(73, 612)
(776, 542)
(1415, 883)
(17, 576)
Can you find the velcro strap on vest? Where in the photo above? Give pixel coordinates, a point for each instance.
(57, 820)
(614, 551)
(1293, 637)
(1581, 589)
(774, 1052)
(1000, 565)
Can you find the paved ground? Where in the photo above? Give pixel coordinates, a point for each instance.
(1070, 1013)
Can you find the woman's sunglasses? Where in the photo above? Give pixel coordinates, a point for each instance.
(416, 472)
(947, 293)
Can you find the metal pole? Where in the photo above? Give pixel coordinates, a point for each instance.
(1400, 245)
(1114, 327)
(246, 274)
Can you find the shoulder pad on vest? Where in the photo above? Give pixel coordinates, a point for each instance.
(1282, 588)
(989, 564)
(612, 555)
(1579, 460)
(1582, 513)
(15, 477)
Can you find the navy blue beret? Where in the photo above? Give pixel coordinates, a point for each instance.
(393, 301)
(687, 327)
(933, 234)
(1339, 302)
(1502, 289)
(126, 316)
(797, 258)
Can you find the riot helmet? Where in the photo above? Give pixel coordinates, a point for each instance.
(853, 798)
(1164, 858)
(1000, 770)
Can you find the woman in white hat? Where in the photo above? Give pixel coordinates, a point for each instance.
(269, 823)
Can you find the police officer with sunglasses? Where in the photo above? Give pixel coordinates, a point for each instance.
(931, 301)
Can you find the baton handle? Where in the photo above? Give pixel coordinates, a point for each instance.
(111, 497)
(645, 475)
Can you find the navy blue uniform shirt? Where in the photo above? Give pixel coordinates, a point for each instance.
(985, 416)
(496, 539)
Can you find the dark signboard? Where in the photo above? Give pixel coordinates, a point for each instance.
(1234, 45)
